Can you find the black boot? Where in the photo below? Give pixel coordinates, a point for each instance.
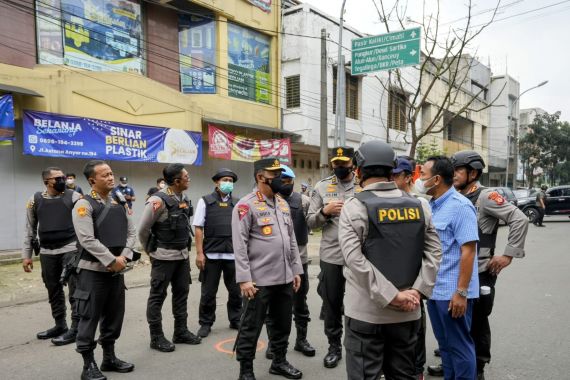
(435, 370)
(301, 344)
(160, 343)
(59, 329)
(333, 356)
(112, 363)
(68, 337)
(246, 370)
(280, 366)
(90, 369)
(186, 337)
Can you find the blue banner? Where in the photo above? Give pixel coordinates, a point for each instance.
(6, 118)
(54, 135)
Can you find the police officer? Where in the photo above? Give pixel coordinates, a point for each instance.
(164, 231)
(327, 200)
(392, 253)
(299, 205)
(106, 233)
(268, 269)
(215, 252)
(127, 191)
(48, 215)
(491, 208)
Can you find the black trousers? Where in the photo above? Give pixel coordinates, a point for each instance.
(421, 343)
(331, 290)
(52, 266)
(301, 314)
(210, 278)
(276, 302)
(99, 297)
(177, 274)
(372, 349)
(540, 216)
(480, 328)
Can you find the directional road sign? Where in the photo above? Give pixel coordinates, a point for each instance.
(386, 51)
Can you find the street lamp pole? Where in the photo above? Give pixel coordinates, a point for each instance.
(515, 137)
(340, 121)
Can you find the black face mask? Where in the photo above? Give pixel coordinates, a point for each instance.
(59, 185)
(286, 190)
(342, 172)
(276, 184)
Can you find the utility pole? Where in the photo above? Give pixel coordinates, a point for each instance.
(324, 122)
(340, 121)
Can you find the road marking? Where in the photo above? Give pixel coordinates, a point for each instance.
(220, 345)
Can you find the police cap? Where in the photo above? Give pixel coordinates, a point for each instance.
(342, 153)
(271, 164)
(468, 158)
(224, 172)
(375, 153)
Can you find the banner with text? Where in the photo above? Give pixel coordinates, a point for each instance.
(7, 118)
(229, 146)
(264, 5)
(54, 135)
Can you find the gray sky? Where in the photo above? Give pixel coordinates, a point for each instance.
(532, 47)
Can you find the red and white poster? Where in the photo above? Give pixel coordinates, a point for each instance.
(229, 146)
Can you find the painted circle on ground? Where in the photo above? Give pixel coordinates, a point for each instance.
(225, 346)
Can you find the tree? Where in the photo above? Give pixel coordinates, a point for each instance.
(424, 152)
(445, 60)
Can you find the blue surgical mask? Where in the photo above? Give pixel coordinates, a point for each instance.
(226, 187)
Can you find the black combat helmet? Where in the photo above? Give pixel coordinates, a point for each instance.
(468, 158)
(375, 153)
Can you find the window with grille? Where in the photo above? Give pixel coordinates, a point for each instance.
(351, 93)
(293, 85)
(397, 111)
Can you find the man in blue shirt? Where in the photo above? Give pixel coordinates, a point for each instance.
(457, 285)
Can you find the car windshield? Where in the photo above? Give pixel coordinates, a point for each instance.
(524, 193)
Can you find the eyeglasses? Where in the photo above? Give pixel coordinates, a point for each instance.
(62, 178)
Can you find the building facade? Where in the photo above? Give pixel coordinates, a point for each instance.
(171, 64)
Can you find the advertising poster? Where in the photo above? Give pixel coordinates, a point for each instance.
(103, 35)
(248, 64)
(229, 146)
(6, 119)
(264, 5)
(49, 32)
(197, 41)
(54, 135)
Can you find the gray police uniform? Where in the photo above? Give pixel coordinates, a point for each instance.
(165, 232)
(389, 244)
(104, 229)
(266, 253)
(491, 208)
(49, 218)
(331, 280)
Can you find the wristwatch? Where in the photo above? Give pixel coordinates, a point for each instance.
(462, 292)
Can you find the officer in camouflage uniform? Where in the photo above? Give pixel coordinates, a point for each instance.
(491, 208)
(48, 215)
(327, 200)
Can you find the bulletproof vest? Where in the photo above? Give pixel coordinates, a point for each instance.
(395, 241)
(55, 227)
(485, 240)
(298, 216)
(218, 224)
(110, 225)
(174, 231)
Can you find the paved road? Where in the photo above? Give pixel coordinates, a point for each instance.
(530, 329)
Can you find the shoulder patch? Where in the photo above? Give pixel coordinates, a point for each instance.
(81, 211)
(497, 198)
(30, 204)
(243, 209)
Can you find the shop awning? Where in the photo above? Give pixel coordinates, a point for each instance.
(238, 127)
(18, 90)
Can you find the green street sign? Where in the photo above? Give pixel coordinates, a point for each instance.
(386, 51)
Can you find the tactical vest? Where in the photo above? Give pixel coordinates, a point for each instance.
(395, 241)
(110, 226)
(299, 223)
(55, 227)
(218, 224)
(174, 231)
(485, 240)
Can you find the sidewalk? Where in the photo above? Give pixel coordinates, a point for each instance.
(18, 287)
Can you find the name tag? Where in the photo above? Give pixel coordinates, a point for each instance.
(223, 204)
(399, 215)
